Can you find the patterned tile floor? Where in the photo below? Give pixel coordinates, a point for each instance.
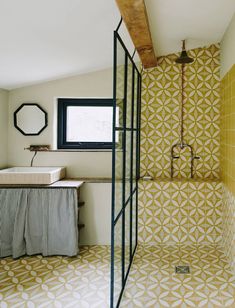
(59, 282)
(153, 283)
(84, 281)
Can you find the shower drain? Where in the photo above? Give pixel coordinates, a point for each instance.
(182, 269)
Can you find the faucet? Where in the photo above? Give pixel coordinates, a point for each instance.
(35, 149)
(173, 157)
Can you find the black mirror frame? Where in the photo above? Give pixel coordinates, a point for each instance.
(19, 129)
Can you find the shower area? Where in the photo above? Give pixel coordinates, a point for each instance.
(180, 189)
(181, 259)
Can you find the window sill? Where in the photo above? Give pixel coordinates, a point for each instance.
(78, 150)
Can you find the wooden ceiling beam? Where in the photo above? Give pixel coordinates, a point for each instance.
(134, 15)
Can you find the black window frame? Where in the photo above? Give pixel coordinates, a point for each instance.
(63, 104)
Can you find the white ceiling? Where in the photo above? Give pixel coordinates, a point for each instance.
(200, 22)
(49, 39)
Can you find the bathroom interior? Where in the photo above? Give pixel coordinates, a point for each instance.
(117, 157)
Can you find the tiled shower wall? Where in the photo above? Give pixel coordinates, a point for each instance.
(161, 96)
(181, 211)
(228, 162)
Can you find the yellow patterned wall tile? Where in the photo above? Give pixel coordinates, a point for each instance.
(227, 163)
(180, 212)
(161, 96)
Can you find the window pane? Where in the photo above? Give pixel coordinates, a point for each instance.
(89, 124)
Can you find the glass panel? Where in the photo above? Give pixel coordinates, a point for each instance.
(127, 237)
(129, 93)
(133, 221)
(117, 260)
(120, 82)
(89, 124)
(128, 164)
(135, 98)
(128, 216)
(118, 174)
(137, 114)
(118, 193)
(134, 160)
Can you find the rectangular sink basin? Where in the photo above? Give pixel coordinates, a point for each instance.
(31, 175)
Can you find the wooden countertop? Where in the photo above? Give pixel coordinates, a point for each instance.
(65, 183)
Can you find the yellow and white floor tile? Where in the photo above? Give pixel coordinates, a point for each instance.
(59, 282)
(83, 281)
(153, 282)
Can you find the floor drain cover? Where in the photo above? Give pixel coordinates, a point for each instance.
(182, 269)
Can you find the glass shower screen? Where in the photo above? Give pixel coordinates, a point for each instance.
(125, 166)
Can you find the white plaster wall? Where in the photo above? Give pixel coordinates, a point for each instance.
(79, 164)
(3, 127)
(96, 214)
(228, 48)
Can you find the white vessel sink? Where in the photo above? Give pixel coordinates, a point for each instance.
(31, 175)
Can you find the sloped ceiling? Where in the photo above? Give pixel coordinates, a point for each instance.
(200, 22)
(49, 39)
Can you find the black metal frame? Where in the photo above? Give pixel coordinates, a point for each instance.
(63, 103)
(126, 202)
(21, 130)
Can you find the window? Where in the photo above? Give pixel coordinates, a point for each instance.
(85, 123)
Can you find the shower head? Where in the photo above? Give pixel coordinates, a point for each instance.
(184, 58)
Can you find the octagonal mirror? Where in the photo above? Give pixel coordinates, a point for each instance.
(30, 119)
